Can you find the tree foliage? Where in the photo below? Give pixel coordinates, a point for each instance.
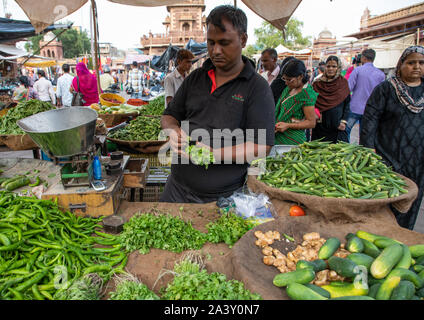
(74, 43)
(250, 50)
(270, 37)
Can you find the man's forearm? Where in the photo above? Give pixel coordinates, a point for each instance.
(246, 152)
(169, 122)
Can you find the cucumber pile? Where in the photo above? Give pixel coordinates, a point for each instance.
(377, 268)
(340, 170)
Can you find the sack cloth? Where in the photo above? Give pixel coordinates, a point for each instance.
(18, 142)
(337, 209)
(247, 258)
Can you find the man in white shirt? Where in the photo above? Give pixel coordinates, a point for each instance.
(269, 59)
(44, 88)
(174, 80)
(64, 95)
(106, 80)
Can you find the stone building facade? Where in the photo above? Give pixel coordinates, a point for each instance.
(184, 22)
(52, 50)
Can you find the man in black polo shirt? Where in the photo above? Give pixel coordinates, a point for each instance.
(224, 104)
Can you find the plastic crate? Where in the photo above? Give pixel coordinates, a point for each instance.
(152, 193)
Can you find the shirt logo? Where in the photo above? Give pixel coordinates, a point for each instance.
(238, 97)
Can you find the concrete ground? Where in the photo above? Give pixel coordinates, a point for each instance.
(419, 225)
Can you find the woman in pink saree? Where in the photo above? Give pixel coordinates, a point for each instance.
(87, 84)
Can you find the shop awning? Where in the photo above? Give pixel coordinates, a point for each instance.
(8, 52)
(40, 64)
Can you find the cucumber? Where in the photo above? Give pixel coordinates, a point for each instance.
(346, 290)
(354, 298)
(349, 235)
(297, 291)
(421, 275)
(387, 287)
(406, 260)
(404, 291)
(328, 248)
(418, 268)
(299, 276)
(409, 275)
(343, 267)
(316, 265)
(416, 298)
(370, 249)
(361, 259)
(367, 235)
(385, 262)
(420, 293)
(417, 250)
(318, 290)
(419, 260)
(384, 243)
(17, 184)
(374, 289)
(372, 237)
(354, 244)
(372, 280)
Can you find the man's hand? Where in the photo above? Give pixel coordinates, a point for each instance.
(178, 140)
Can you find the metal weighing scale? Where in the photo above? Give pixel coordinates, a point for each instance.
(67, 136)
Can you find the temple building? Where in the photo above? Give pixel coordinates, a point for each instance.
(184, 22)
(325, 39)
(54, 49)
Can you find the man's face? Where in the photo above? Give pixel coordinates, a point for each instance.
(185, 65)
(225, 47)
(268, 62)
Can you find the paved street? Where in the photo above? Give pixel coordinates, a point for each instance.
(419, 225)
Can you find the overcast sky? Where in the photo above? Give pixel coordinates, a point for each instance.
(124, 25)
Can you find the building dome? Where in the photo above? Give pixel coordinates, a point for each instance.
(325, 34)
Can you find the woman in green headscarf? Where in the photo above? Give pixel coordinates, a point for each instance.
(295, 110)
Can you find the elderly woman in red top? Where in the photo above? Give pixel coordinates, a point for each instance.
(86, 83)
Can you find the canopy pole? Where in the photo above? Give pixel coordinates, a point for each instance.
(96, 64)
(235, 3)
(418, 36)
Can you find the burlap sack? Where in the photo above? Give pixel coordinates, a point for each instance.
(18, 142)
(247, 258)
(140, 146)
(335, 209)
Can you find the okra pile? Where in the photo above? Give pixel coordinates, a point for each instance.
(20, 111)
(339, 170)
(44, 250)
(156, 107)
(140, 129)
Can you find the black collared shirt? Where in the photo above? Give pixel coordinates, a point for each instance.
(245, 102)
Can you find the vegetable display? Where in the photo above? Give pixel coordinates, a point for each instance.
(140, 129)
(121, 109)
(129, 288)
(339, 170)
(163, 231)
(20, 111)
(349, 274)
(193, 282)
(156, 107)
(43, 250)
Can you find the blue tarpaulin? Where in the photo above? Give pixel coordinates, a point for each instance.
(12, 30)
